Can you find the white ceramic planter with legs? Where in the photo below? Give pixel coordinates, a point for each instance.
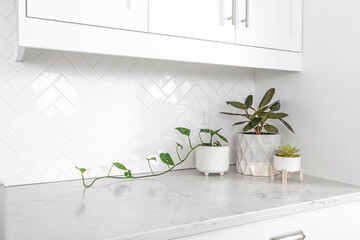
(290, 164)
(212, 159)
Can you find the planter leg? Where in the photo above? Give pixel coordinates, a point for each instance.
(284, 176)
(206, 173)
(222, 174)
(301, 175)
(272, 172)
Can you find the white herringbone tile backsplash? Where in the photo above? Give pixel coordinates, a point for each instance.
(58, 109)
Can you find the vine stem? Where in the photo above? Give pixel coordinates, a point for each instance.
(144, 176)
(150, 167)
(110, 169)
(190, 142)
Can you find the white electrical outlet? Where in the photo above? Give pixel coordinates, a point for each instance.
(203, 117)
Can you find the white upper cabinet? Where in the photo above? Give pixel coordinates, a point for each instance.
(273, 24)
(121, 14)
(204, 31)
(199, 19)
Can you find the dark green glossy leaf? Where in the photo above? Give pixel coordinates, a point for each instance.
(263, 120)
(238, 105)
(82, 170)
(247, 128)
(261, 110)
(128, 174)
(184, 131)
(166, 158)
(151, 159)
(267, 97)
(275, 106)
(233, 114)
(222, 138)
(249, 101)
(253, 123)
(179, 145)
(287, 125)
(271, 128)
(239, 123)
(274, 115)
(120, 166)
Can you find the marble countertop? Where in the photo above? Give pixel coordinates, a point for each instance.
(176, 204)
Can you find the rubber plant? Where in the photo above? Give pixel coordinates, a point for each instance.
(164, 157)
(257, 117)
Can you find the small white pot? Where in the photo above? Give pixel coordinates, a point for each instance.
(290, 164)
(212, 159)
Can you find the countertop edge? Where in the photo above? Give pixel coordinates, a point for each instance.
(240, 219)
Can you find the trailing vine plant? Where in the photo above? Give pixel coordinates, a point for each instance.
(164, 157)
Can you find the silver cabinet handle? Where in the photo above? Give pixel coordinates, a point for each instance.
(234, 12)
(297, 235)
(246, 20)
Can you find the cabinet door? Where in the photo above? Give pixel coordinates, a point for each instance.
(273, 24)
(122, 14)
(199, 19)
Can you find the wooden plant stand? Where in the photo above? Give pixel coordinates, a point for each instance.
(285, 174)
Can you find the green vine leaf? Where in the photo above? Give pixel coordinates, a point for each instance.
(151, 159)
(184, 131)
(166, 158)
(82, 170)
(222, 138)
(179, 145)
(217, 144)
(119, 166)
(128, 174)
(205, 130)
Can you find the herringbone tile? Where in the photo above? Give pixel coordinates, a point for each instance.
(60, 109)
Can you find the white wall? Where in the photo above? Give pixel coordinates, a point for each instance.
(58, 109)
(324, 100)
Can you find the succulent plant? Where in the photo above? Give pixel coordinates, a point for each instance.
(257, 120)
(287, 151)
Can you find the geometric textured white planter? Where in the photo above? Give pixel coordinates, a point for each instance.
(212, 159)
(255, 153)
(290, 164)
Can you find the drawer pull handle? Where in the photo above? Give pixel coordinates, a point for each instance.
(297, 235)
